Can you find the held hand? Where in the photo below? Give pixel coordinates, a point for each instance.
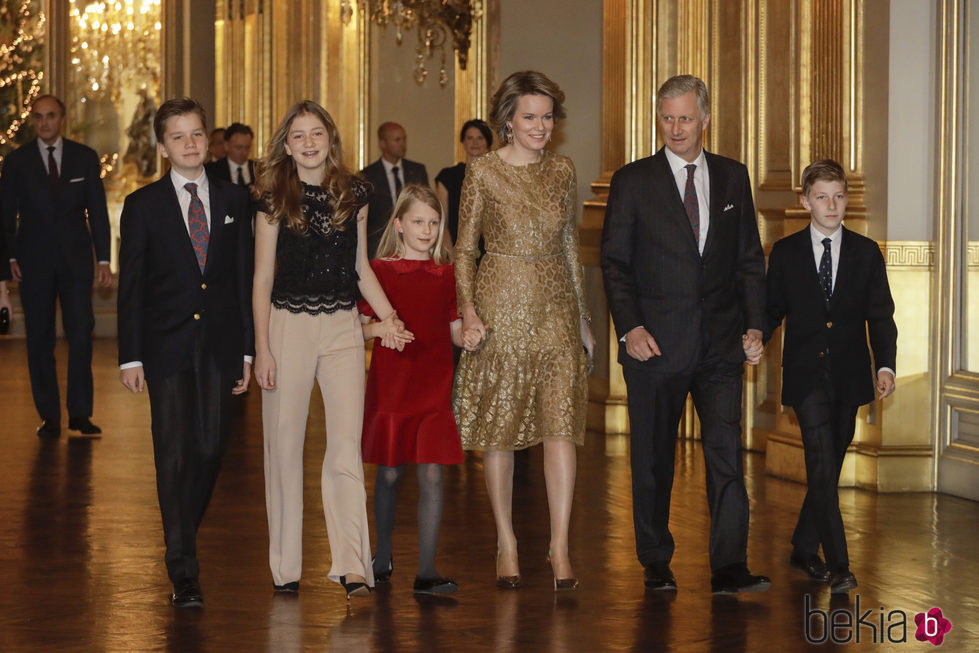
(470, 320)
(587, 339)
(265, 370)
(392, 332)
(640, 345)
(132, 378)
(15, 271)
(885, 383)
(242, 385)
(471, 339)
(105, 275)
(753, 346)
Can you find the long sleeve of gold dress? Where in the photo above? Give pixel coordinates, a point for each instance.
(528, 381)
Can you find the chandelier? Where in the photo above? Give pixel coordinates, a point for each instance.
(438, 22)
(115, 45)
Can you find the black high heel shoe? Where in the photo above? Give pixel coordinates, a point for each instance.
(506, 582)
(355, 588)
(563, 584)
(385, 576)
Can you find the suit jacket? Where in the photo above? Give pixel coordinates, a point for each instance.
(655, 276)
(831, 336)
(380, 206)
(219, 169)
(164, 299)
(55, 224)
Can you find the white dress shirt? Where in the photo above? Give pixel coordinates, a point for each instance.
(390, 176)
(233, 168)
(701, 181)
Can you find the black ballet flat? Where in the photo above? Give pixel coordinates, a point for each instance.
(355, 589)
(385, 576)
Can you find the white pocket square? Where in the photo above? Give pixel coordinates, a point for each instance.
(228, 219)
(76, 179)
(728, 207)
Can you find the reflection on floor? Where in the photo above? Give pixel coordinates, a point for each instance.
(81, 554)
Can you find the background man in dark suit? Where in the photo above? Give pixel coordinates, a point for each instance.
(54, 186)
(830, 285)
(216, 148)
(388, 175)
(235, 166)
(685, 279)
(185, 325)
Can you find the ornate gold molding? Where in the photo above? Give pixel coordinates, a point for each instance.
(909, 254)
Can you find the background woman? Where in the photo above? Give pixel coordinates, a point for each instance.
(476, 138)
(528, 382)
(310, 262)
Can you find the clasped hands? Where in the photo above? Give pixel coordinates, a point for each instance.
(392, 332)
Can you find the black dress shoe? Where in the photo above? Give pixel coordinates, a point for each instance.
(734, 579)
(187, 594)
(842, 582)
(84, 425)
(383, 576)
(291, 587)
(49, 429)
(659, 577)
(434, 586)
(810, 564)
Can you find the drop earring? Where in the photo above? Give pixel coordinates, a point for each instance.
(508, 133)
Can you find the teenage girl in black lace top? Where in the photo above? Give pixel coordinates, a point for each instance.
(310, 263)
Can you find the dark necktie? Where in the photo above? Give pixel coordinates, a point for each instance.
(691, 204)
(197, 224)
(397, 182)
(52, 166)
(241, 177)
(826, 269)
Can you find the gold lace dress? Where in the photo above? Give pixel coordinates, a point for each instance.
(528, 380)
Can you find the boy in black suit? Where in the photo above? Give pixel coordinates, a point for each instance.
(830, 286)
(185, 325)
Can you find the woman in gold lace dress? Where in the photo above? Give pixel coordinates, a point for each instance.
(527, 384)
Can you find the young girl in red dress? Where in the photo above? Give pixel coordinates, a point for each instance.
(408, 407)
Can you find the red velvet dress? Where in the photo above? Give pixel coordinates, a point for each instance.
(408, 404)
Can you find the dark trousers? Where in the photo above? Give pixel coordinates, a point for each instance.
(656, 403)
(41, 289)
(191, 413)
(827, 430)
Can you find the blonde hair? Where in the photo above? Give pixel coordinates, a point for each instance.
(823, 170)
(392, 243)
(278, 180)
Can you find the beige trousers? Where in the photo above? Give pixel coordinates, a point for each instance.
(330, 349)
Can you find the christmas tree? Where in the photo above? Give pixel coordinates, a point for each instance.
(21, 61)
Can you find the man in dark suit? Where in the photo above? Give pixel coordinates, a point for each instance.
(685, 280)
(235, 166)
(185, 325)
(54, 186)
(830, 286)
(388, 175)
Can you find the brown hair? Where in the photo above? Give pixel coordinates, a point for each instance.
(278, 180)
(392, 243)
(822, 170)
(176, 107)
(526, 82)
(48, 96)
(681, 85)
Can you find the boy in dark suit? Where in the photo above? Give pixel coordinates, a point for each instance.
(185, 325)
(830, 286)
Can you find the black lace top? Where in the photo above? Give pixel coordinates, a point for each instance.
(317, 272)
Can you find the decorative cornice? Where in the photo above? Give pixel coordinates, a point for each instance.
(909, 254)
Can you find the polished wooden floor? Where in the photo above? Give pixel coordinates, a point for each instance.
(81, 553)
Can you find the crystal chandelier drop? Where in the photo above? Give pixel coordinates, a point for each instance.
(438, 23)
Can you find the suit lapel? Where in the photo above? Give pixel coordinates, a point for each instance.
(718, 182)
(218, 212)
(174, 220)
(665, 185)
(845, 268)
